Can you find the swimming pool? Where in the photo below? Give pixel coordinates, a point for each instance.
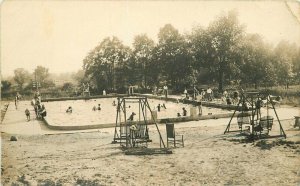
(83, 113)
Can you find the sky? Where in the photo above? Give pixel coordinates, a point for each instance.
(59, 34)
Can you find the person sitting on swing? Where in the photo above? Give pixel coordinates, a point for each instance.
(131, 116)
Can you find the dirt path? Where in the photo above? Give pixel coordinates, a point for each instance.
(207, 158)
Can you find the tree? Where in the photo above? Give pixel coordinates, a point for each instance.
(256, 67)
(296, 67)
(285, 54)
(142, 52)
(80, 77)
(67, 86)
(105, 63)
(173, 57)
(21, 77)
(5, 85)
(220, 43)
(200, 50)
(41, 75)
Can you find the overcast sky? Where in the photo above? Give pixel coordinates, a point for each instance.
(59, 34)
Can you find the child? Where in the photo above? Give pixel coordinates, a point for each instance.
(131, 116)
(16, 102)
(99, 107)
(185, 93)
(94, 108)
(36, 111)
(184, 112)
(114, 103)
(200, 108)
(32, 102)
(27, 114)
(178, 114)
(158, 107)
(228, 100)
(69, 110)
(43, 112)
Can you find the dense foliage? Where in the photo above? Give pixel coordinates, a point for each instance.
(221, 54)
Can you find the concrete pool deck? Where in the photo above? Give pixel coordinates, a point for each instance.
(15, 122)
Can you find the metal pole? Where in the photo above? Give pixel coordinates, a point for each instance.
(124, 105)
(228, 126)
(118, 110)
(147, 104)
(281, 129)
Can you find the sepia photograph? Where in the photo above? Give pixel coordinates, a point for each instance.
(152, 92)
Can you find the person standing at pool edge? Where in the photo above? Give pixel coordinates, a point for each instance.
(185, 93)
(209, 94)
(158, 107)
(27, 113)
(199, 104)
(16, 102)
(184, 112)
(166, 91)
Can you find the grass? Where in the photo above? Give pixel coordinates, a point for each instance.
(289, 96)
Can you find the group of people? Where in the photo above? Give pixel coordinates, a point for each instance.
(97, 108)
(184, 112)
(164, 91)
(207, 95)
(159, 106)
(231, 100)
(200, 96)
(39, 108)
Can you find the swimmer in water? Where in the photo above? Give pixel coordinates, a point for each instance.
(131, 116)
(69, 110)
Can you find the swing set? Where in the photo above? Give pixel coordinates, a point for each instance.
(133, 135)
(249, 118)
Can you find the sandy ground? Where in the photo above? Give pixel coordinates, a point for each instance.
(208, 158)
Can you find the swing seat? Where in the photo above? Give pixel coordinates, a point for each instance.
(141, 134)
(266, 122)
(243, 119)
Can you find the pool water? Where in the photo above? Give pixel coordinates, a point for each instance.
(83, 113)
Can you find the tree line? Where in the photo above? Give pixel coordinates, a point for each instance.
(221, 54)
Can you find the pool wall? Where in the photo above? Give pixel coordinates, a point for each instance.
(51, 124)
(83, 97)
(193, 102)
(172, 99)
